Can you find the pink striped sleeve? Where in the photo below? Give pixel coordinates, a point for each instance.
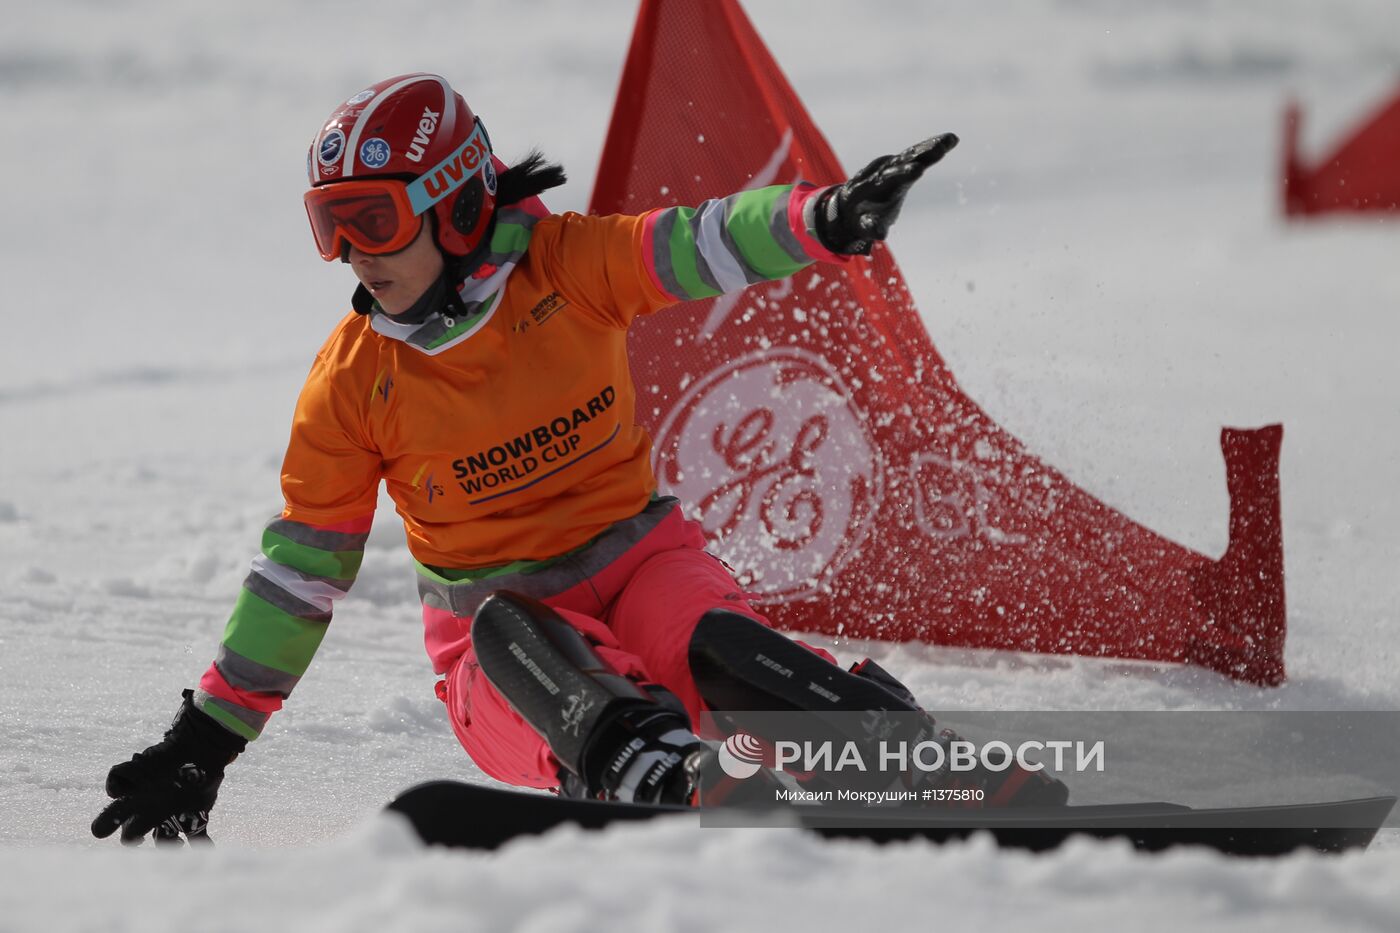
(214, 684)
(649, 254)
(802, 195)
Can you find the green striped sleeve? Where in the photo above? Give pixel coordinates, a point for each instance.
(272, 637)
(726, 245)
(750, 222)
(337, 565)
(684, 255)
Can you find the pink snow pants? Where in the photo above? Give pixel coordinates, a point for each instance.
(638, 609)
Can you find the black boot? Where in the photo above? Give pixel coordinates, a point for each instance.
(742, 666)
(744, 669)
(643, 755)
(1012, 787)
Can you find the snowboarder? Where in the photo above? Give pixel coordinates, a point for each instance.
(577, 621)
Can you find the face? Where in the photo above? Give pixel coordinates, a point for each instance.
(397, 280)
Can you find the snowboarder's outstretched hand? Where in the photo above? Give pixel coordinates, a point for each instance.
(851, 217)
(168, 789)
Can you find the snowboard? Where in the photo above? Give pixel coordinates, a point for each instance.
(475, 816)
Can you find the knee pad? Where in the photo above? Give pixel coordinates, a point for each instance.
(549, 673)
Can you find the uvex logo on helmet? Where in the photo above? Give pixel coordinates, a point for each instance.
(426, 127)
(447, 176)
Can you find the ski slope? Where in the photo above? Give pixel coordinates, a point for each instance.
(1102, 263)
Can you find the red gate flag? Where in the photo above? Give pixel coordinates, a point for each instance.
(828, 450)
(1361, 175)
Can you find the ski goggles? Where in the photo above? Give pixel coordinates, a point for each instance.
(374, 215)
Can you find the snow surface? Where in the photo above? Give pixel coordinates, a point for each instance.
(1102, 262)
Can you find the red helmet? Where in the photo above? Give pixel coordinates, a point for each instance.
(416, 138)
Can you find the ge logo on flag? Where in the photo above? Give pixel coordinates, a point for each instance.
(781, 468)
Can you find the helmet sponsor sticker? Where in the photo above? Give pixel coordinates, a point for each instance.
(488, 175)
(451, 173)
(361, 97)
(374, 153)
(332, 147)
(427, 126)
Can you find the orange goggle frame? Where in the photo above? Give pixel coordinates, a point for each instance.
(373, 215)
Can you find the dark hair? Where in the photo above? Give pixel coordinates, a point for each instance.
(530, 176)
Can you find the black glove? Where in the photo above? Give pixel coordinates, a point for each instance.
(170, 788)
(851, 217)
